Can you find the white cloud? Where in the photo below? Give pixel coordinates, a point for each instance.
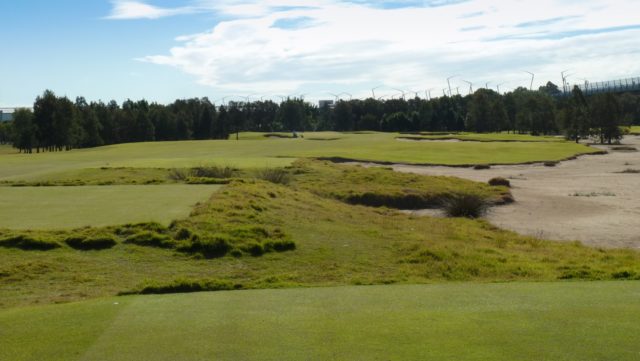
(127, 10)
(354, 46)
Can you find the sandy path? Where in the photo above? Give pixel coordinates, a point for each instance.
(585, 199)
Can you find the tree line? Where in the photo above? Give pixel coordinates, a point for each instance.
(57, 123)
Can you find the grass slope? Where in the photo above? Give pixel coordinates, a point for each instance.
(335, 244)
(72, 207)
(258, 152)
(579, 321)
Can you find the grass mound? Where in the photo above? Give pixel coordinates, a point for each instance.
(151, 239)
(29, 243)
(274, 175)
(499, 181)
(183, 286)
(378, 187)
(91, 243)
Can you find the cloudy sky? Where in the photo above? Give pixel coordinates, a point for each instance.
(167, 49)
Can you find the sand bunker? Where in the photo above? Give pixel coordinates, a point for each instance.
(594, 199)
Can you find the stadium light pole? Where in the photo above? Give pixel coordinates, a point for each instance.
(449, 82)
(470, 86)
(498, 86)
(564, 80)
(349, 94)
(532, 77)
(428, 93)
(373, 91)
(401, 91)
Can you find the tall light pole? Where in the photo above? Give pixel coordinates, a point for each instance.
(449, 82)
(444, 92)
(498, 86)
(470, 86)
(564, 80)
(486, 85)
(373, 91)
(349, 94)
(428, 93)
(401, 91)
(532, 77)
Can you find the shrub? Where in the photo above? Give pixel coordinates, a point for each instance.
(151, 239)
(213, 172)
(91, 243)
(29, 243)
(481, 166)
(466, 205)
(275, 175)
(499, 181)
(183, 286)
(211, 247)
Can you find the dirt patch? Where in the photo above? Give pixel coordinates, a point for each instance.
(587, 199)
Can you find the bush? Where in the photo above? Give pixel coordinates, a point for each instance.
(466, 205)
(29, 243)
(91, 243)
(499, 181)
(184, 286)
(183, 234)
(213, 172)
(481, 166)
(275, 175)
(151, 239)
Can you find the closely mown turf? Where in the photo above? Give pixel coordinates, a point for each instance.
(260, 152)
(579, 321)
(71, 207)
(635, 130)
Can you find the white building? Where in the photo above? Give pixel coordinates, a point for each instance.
(6, 114)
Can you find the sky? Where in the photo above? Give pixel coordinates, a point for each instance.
(162, 50)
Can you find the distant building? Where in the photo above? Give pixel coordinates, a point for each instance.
(326, 103)
(6, 114)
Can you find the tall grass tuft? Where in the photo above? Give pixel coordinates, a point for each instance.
(274, 175)
(213, 172)
(466, 205)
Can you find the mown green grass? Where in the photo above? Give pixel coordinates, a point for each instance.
(260, 153)
(579, 321)
(71, 207)
(635, 129)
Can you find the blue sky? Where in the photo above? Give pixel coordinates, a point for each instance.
(167, 49)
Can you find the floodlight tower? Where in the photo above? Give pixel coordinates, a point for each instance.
(449, 82)
(401, 91)
(373, 91)
(532, 77)
(428, 93)
(470, 86)
(498, 86)
(564, 80)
